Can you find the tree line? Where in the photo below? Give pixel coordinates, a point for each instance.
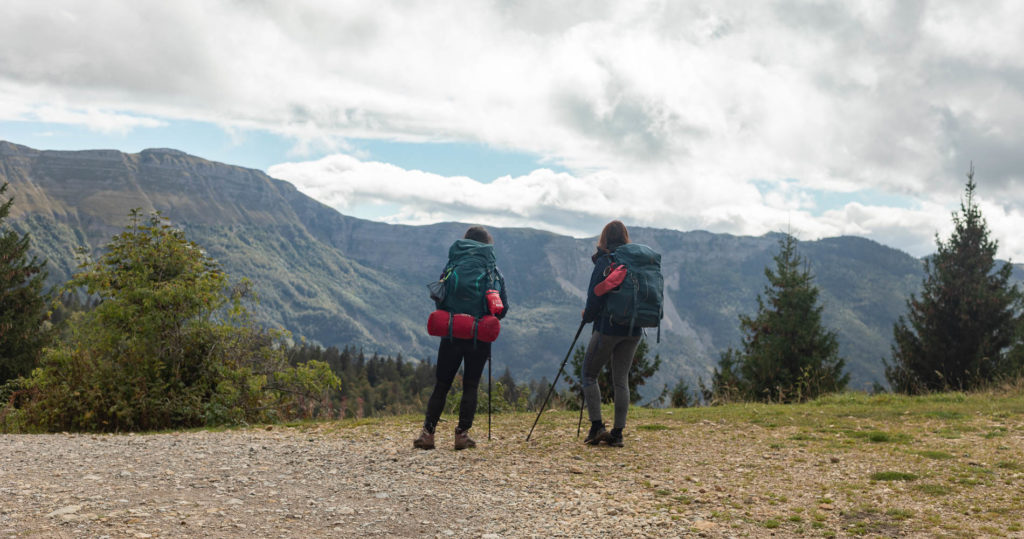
(154, 335)
(963, 332)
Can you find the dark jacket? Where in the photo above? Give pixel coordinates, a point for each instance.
(594, 311)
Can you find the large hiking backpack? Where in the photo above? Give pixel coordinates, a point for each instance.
(469, 274)
(637, 302)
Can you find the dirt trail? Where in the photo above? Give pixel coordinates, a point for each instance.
(673, 479)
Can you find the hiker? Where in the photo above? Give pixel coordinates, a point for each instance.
(470, 302)
(609, 341)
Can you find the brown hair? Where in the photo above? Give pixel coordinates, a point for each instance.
(615, 234)
(478, 233)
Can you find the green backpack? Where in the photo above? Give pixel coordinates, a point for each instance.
(637, 302)
(469, 274)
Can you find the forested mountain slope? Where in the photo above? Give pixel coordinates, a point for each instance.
(339, 280)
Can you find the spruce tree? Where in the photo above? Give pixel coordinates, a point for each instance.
(787, 356)
(957, 333)
(22, 301)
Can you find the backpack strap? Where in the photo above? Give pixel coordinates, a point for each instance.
(632, 319)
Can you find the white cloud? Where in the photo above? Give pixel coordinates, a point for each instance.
(97, 120)
(579, 206)
(19, 108)
(663, 111)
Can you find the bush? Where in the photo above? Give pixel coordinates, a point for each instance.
(169, 345)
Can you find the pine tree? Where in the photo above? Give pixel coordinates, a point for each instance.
(682, 396)
(22, 301)
(726, 385)
(787, 356)
(957, 334)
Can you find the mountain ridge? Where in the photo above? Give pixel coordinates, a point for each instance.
(337, 279)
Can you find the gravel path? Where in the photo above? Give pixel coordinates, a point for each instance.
(357, 480)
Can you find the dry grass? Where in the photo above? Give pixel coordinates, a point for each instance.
(947, 464)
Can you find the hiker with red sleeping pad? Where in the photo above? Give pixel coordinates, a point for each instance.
(470, 300)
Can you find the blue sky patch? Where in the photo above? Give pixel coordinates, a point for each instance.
(824, 200)
(260, 149)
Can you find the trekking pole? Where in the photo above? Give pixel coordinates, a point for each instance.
(488, 398)
(583, 402)
(542, 406)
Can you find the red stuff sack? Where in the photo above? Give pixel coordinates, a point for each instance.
(437, 323)
(463, 326)
(488, 328)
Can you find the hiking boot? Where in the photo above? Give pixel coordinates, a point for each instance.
(597, 433)
(425, 441)
(462, 440)
(614, 438)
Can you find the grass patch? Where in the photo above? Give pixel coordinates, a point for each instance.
(997, 432)
(859, 528)
(893, 476)
(934, 455)
(944, 414)
(899, 514)
(771, 524)
(878, 436)
(654, 426)
(1008, 465)
(934, 489)
(766, 423)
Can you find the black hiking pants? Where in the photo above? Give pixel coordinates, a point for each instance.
(451, 353)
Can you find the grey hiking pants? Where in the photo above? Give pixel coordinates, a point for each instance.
(600, 350)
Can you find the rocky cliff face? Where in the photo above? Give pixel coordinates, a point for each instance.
(339, 280)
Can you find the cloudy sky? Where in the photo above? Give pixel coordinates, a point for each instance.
(826, 118)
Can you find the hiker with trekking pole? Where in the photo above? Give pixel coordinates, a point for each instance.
(624, 296)
(470, 300)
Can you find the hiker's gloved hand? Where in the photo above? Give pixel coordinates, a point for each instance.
(613, 280)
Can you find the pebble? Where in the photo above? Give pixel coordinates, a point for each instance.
(70, 509)
(704, 525)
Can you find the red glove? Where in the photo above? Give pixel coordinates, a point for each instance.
(613, 280)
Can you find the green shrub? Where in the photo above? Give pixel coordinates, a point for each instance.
(169, 345)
